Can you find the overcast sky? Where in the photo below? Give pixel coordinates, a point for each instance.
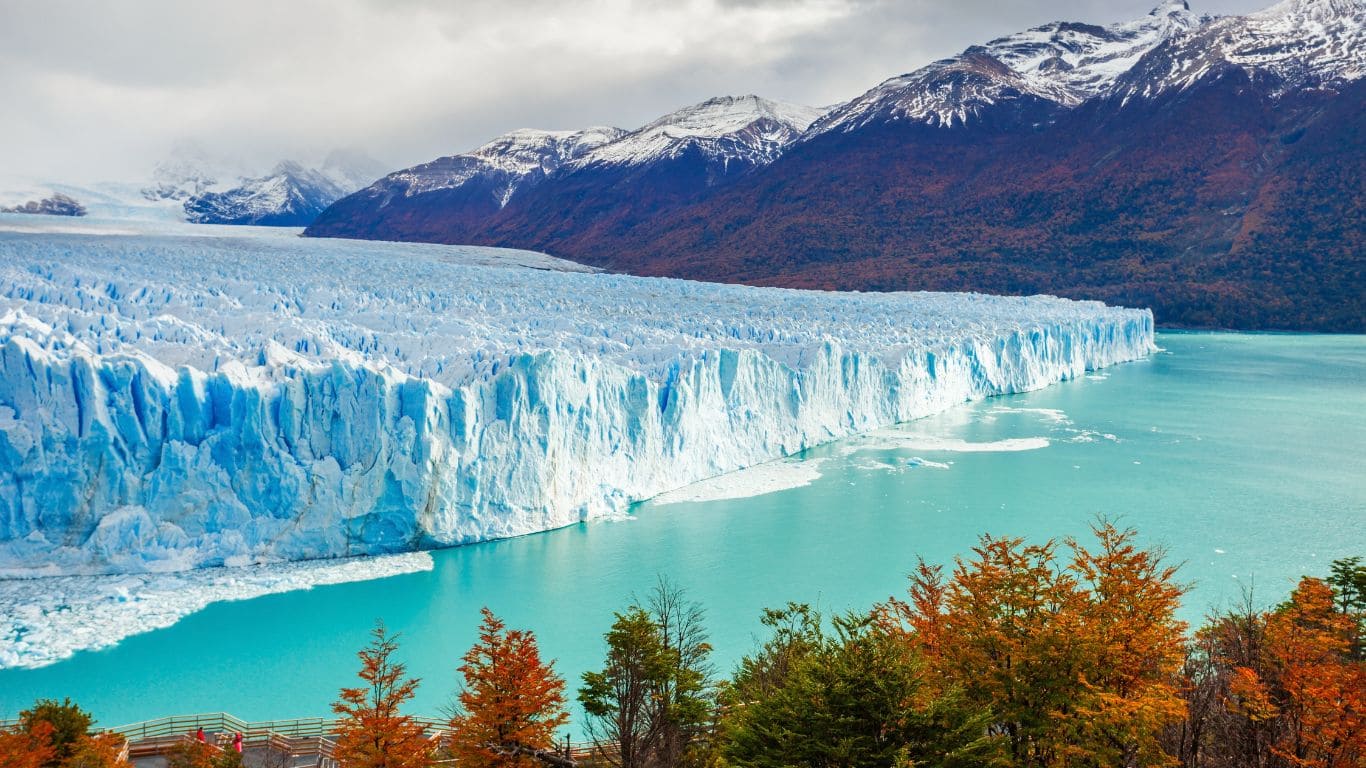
(102, 90)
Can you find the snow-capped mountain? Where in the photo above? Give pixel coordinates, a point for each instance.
(503, 166)
(1297, 43)
(547, 175)
(747, 129)
(191, 169)
(1172, 161)
(1062, 63)
(290, 195)
(351, 169)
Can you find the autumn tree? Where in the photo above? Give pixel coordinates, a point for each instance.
(372, 732)
(27, 747)
(1311, 683)
(56, 734)
(1074, 656)
(192, 753)
(1009, 636)
(1283, 688)
(859, 697)
(1135, 649)
(106, 751)
(511, 703)
(1229, 724)
(70, 725)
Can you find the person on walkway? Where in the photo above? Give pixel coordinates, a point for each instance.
(237, 742)
(199, 734)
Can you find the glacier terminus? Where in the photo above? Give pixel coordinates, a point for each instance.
(172, 401)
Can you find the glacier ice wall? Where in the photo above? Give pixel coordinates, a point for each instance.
(172, 402)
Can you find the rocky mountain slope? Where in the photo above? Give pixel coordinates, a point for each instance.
(566, 181)
(1058, 64)
(1212, 168)
(56, 204)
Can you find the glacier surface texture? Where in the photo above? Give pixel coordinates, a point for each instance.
(172, 402)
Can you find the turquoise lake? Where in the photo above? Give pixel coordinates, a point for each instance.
(1243, 455)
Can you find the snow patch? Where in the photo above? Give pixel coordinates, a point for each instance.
(730, 128)
(1064, 63)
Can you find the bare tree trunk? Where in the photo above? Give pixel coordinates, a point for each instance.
(547, 756)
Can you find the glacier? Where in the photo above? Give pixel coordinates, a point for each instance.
(170, 402)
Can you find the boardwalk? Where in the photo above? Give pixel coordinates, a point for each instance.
(299, 743)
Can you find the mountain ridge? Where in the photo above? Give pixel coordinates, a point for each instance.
(1209, 167)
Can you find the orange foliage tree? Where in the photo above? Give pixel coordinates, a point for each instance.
(511, 702)
(1308, 682)
(1284, 688)
(1135, 648)
(1075, 658)
(27, 748)
(192, 753)
(56, 734)
(102, 751)
(373, 733)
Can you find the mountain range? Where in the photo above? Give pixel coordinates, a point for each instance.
(213, 191)
(1208, 167)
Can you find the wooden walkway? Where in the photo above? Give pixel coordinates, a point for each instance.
(298, 743)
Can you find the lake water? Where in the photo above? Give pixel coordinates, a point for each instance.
(1243, 455)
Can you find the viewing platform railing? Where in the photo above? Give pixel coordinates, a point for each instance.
(308, 736)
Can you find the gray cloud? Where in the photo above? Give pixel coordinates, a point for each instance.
(95, 90)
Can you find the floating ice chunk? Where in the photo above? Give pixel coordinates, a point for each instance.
(916, 461)
(1090, 436)
(1051, 415)
(758, 480)
(896, 439)
(48, 619)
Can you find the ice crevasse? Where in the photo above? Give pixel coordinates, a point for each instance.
(171, 402)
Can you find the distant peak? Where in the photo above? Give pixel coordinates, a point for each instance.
(745, 127)
(539, 148)
(290, 167)
(1170, 6)
(1317, 8)
(724, 114)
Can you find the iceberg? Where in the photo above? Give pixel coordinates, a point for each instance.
(170, 402)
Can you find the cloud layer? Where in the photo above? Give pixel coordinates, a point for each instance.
(102, 90)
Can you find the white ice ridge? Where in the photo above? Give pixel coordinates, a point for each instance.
(758, 480)
(174, 402)
(43, 621)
